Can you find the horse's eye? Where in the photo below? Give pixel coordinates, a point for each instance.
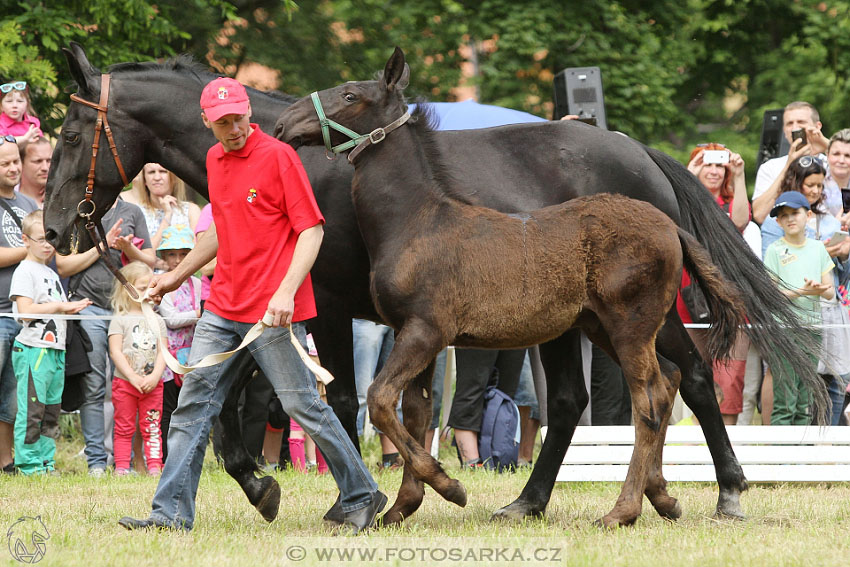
(72, 137)
(349, 97)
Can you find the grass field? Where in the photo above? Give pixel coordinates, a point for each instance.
(788, 524)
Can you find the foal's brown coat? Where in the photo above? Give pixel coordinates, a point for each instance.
(446, 272)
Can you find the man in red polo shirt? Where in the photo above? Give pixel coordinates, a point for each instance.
(267, 233)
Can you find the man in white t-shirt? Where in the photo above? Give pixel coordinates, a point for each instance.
(797, 115)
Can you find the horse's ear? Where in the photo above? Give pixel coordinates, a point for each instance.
(396, 73)
(81, 70)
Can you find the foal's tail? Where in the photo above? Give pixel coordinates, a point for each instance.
(775, 328)
(724, 304)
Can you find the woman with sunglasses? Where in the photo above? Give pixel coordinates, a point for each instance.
(16, 117)
(806, 175)
(721, 172)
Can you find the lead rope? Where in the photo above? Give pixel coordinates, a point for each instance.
(253, 334)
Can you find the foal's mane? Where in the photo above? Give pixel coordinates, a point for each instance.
(424, 123)
(183, 64)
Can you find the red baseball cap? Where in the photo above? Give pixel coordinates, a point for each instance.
(224, 96)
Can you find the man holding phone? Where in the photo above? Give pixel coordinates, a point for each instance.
(802, 128)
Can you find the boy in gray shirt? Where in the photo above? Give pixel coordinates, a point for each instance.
(38, 354)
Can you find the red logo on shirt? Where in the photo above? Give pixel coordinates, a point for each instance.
(252, 195)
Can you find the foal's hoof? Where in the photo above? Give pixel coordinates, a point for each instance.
(672, 512)
(455, 493)
(515, 511)
(270, 500)
(392, 517)
(610, 522)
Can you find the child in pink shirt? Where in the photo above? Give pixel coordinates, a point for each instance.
(16, 117)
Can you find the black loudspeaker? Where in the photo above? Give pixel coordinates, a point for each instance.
(578, 90)
(773, 143)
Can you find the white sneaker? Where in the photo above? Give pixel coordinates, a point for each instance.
(97, 472)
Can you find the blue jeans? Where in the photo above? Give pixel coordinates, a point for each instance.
(9, 329)
(94, 387)
(837, 387)
(372, 345)
(525, 393)
(202, 395)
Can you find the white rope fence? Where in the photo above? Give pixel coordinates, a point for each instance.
(79, 317)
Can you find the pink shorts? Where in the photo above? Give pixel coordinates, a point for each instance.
(729, 376)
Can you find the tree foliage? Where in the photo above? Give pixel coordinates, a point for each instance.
(671, 70)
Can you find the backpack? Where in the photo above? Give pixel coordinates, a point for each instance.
(498, 441)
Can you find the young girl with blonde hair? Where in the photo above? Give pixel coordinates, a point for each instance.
(16, 116)
(137, 385)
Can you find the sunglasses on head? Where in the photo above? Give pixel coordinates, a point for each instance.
(710, 144)
(17, 85)
(808, 161)
(8, 138)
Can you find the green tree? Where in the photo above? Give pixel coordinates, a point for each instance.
(111, 31)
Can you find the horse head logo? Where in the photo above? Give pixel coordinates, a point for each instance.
(27, 539)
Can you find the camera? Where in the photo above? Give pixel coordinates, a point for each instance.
(715, 156)
(799, 135)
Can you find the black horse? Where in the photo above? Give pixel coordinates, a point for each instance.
(154, 117)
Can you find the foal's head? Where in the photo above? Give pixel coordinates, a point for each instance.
(361, 106)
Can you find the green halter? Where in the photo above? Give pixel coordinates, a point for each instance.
(357, 141)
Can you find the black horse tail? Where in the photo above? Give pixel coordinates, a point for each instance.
(775, 327)
(724, 303)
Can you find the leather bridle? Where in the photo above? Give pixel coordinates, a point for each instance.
(86, 207)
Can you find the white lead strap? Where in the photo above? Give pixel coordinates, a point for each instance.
(253, 333)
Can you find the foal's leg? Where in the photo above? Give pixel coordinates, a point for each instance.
(263, 493)
(416, 346)
(416, 409)
(567, 398)
(698, 392)
(650, 409)
(656, 485)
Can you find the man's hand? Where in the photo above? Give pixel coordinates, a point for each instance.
(281, 307)
(162, 284)
(797, 150)
(817, 140)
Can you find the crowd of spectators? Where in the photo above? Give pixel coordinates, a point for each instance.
(811, 260)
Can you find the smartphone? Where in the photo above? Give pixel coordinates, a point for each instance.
(845, 199)
(838, 237)
(799, 135)
(715, 156)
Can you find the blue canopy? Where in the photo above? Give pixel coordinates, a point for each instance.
(469, 115)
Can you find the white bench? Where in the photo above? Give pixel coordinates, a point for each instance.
(767, 454)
